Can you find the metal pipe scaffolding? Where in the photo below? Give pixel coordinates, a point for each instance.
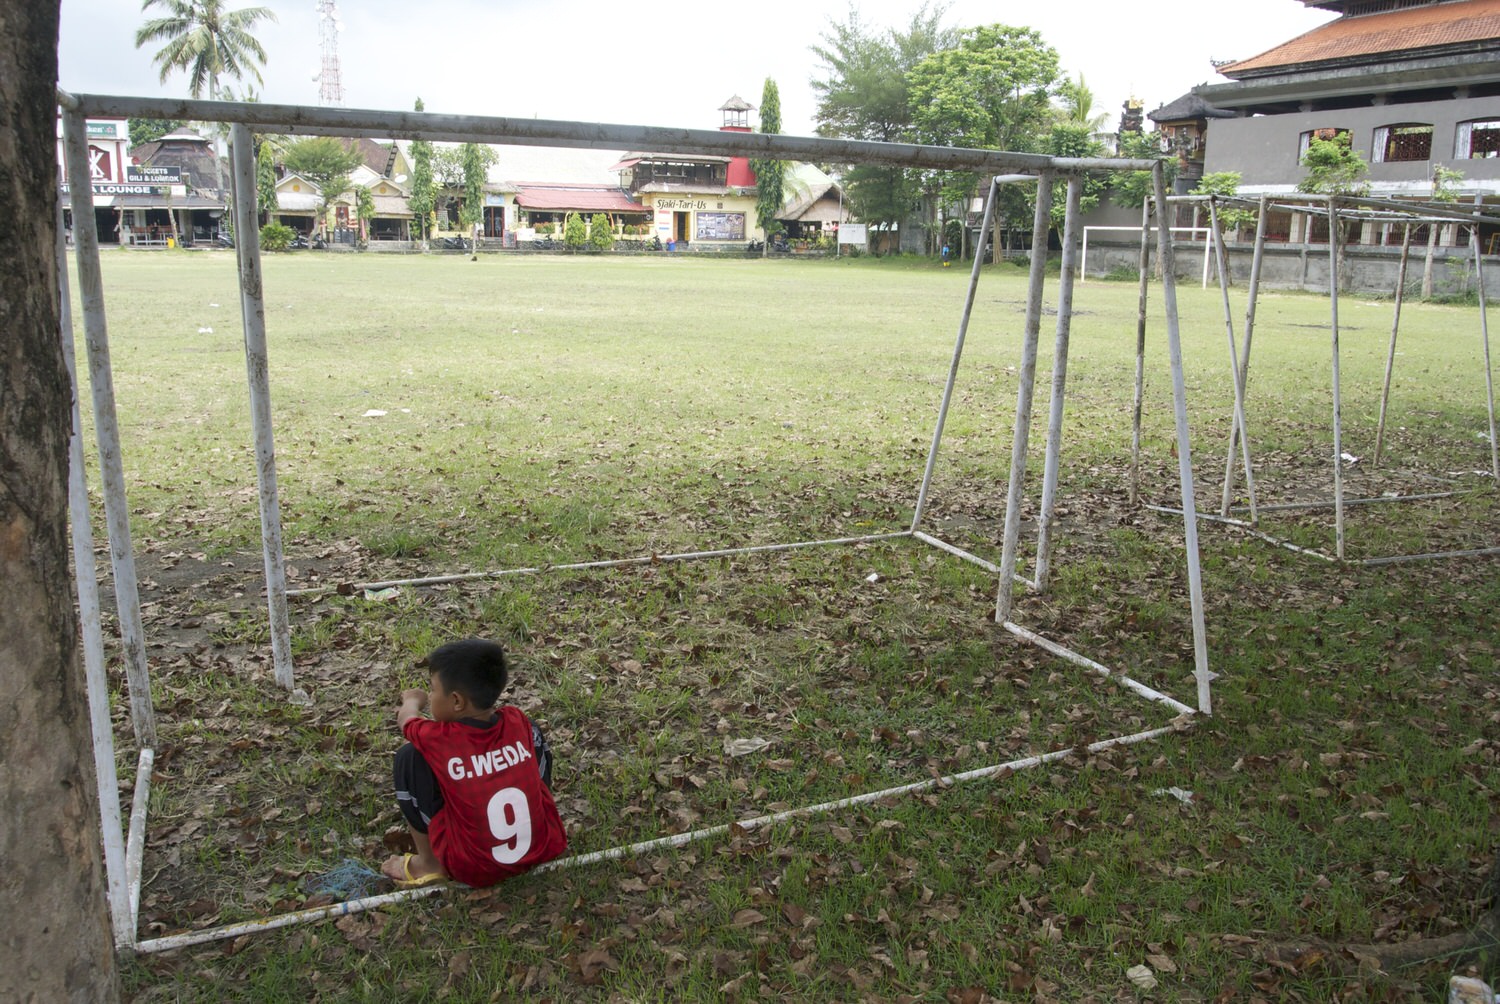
(1335, 241)
(96, 683)
(1390, 356)
(1407, 215)
(1053, 453)
(257, 369)
(1242, 376)
(1484, 333)
(1020, 434)
(1377, 207)
(107, 426)
(958, 352)
(344, 122)
(1184, 449)
(1239, 425)
(357, 122)
(174, 941)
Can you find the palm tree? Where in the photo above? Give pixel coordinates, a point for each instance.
(1078, 104)
(205, 40)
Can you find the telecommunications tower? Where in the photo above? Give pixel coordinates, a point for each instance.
(330, 87)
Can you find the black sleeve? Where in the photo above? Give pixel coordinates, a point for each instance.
(543, 754)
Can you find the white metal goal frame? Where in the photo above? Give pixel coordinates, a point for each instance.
(123, 853)
(1388, 213)
(1192, 232)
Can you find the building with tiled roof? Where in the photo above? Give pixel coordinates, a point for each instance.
(702, 201)
(1415, 84)
(1183, 124)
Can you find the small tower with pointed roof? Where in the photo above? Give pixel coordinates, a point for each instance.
(737, 119)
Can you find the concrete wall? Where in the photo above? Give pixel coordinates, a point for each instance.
(1372, 270)
(1265, 148)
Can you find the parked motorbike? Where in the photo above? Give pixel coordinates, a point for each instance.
(223, 240)
(299, 242)
(755, 246)
(779, 243)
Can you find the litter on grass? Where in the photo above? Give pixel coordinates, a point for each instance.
(349, 879)
(1181, 794)
(744, 747)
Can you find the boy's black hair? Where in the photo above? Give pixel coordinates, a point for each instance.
(472, 667)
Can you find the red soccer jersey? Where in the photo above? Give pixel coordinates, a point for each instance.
(498, 818)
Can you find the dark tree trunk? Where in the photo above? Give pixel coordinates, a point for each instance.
(55, 941)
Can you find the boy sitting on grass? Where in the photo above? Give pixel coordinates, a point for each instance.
(473, 781)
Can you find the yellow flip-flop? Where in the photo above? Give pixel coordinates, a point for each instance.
(415, 881)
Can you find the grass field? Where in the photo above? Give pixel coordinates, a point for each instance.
(549, 410)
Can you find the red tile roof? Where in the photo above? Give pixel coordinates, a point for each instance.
(1427, 27)
(602, 200)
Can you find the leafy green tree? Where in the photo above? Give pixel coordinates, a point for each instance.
(364, 209)
(476, 163)
(601, 232)
(265, 184)
(448, 168)
(1334, 167)
(769, 174)
(991, 91)
(864, 93)
(1132, 188)
(324, 161)
(1445, 184)
(1225, 183)
(448, 178)
(147, 130)
(575, 232)
(423, 193)
(205, 41)
(1074, 139)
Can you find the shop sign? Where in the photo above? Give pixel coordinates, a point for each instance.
(681, 203)
(106, 130)
(153, 175)
(110, 189)
(101, 164)
(853, 233)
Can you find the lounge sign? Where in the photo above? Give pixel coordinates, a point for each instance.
(153, 175)
(112, 189)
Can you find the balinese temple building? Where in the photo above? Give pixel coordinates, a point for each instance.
(1414, 84)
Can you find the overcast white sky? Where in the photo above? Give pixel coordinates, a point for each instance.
(620, 62)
